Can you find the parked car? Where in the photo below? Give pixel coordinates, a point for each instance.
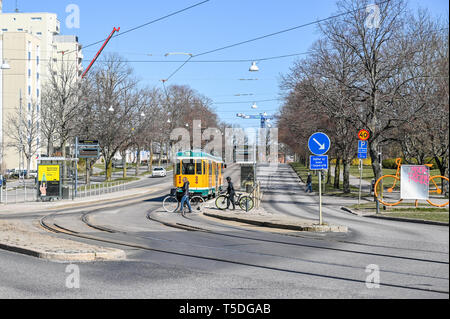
(117, 163)
(159, 172)
(32, 174)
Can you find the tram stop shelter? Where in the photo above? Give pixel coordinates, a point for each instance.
(55, 178)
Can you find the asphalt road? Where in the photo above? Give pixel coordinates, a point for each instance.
(216, 260)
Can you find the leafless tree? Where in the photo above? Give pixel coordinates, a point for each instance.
(23, 132)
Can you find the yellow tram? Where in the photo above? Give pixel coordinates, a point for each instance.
(203, 171)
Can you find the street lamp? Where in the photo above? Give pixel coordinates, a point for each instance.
(254, 67)
(178, 53)
(5, 65)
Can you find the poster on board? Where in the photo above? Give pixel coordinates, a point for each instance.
(415, 182)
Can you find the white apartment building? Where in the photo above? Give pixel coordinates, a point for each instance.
(34, 49)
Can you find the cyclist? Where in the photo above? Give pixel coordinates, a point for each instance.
(185, 198)
(230, 193)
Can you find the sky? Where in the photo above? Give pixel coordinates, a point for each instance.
(212, 25)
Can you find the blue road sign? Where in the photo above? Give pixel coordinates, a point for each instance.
(362, 145)
(362, 155)
(319, 144)
(318, 162)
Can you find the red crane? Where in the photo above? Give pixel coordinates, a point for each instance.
(100, 51)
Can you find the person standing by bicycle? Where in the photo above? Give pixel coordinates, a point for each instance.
(185, 198)
(230, 193)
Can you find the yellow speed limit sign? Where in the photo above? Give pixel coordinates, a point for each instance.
(49, 173)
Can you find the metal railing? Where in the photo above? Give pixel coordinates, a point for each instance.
(29, 193)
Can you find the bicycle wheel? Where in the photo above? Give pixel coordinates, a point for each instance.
(221, 202)
(170, 204)
(197, 204)
(246, 203)
(387, 190)
(438, 191)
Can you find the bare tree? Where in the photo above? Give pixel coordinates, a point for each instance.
(23, 131)
(61, 103)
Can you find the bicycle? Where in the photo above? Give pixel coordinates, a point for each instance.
(171, 203)
(387, 187)
(245, 202)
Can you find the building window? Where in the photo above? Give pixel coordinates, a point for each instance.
(20, 30)
(36, 18)
(29, 107)
(29, 56)
(37, 76)
(39, 33)
(37, 92)
(29, 90)
(4, 30)
(29, 73)
(37, 108)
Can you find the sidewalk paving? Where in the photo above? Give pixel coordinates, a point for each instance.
(29, 239)
(274, 221)
(21, 238)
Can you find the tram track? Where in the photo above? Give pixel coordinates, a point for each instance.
(50, 223)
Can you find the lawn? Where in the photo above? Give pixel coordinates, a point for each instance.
(408, 210)
(302, 171)
(439, 215)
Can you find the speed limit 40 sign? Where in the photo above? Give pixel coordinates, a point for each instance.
(363, 135)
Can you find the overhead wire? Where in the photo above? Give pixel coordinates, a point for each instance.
(274, 34)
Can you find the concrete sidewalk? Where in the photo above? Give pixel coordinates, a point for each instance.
(273, 221)
(25, 239)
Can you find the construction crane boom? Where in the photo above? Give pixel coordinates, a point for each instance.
(100, 51)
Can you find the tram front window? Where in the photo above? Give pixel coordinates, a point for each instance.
(178, 168)
(188, 167)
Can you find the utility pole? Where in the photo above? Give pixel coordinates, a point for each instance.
(21, 160)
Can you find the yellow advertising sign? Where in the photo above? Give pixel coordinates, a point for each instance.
(49, 173)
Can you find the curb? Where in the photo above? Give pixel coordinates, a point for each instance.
(398, 219)
(67, 257)
(308, 228)
(409, 220)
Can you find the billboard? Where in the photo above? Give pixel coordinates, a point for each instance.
(49, 173)
(415, 182)
(49, 181)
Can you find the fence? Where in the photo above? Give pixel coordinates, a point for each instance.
(29, 193)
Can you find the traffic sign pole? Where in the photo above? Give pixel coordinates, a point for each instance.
(76, 167)
(319, 144)
(320, 199)
(360, 180)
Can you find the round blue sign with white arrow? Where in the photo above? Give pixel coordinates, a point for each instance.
(319, 144)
